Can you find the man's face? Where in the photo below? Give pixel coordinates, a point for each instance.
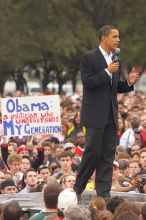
(45, 173)
(58, 151)
(9, 190)
(24, 153)
(135, 149)
(47, 150)
(70, 182)
(120, 108)
(65, 163)
(34, 153)
(15, 167)
(81, 138)
(112, 40)
(11, 149)
(143, 159)
(25, 165)
(8, 176)
(135, 121)
(31, 179)
(134, 169)
(2, 177)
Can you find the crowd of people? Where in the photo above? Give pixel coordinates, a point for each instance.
(50, 163)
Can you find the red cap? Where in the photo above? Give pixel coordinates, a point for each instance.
(40, 148)
(22, 149)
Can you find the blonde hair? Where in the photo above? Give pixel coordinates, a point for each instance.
(12, 158)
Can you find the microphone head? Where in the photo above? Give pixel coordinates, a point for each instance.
(117, 50)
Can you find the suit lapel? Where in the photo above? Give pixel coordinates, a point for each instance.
(100, 58)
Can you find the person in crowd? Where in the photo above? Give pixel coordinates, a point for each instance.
(2, 176)
(55, 143)
(38, 160)
(70, 146)
(8, 187)
(143, 130)
(80, 144)
(134, 168)
(23, 150)
(124, 206)
(123, 157)
(25, 164)
(127, 214)
(143, 160)
(113, 202)
(96, 204)
(123, 113)
(119, 150)
(14, 162)
(104, 215)
(121, 128)
(30, 179)
(12, 211)
(44, 172)
(77, 127)
(54, 168)
(12, 147)
(100, 78)
(78, 212)
(68, 181)
(135, 148)
(57, 152)
(51, 193)
(66, 163)
(8, 175)
(48, 158)
(66, 198)
(128, 137)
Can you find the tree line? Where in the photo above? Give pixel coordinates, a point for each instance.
(54, 34)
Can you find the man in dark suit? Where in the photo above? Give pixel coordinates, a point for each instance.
(100, 78)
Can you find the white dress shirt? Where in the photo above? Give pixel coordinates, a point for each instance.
(108, 59)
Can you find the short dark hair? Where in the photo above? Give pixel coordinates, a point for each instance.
(26, 157)
(41, 167)
(12, 211)
(105, 30)
(51, 193)
(113, 203)
(66, 154)
(29, 170)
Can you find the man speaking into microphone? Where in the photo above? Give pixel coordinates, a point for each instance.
(101, 83)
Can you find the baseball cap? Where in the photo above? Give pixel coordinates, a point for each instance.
(116, 163)
(68, 145)
(23, 148)
(6, 183)
(53, 140)
(66, 198)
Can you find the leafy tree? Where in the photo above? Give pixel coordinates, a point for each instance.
(55, 33)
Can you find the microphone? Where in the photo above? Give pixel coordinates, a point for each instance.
(115, 57)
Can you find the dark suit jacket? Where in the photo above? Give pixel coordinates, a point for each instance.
(98, 92)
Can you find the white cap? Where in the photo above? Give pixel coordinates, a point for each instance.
(116, 163)
(66, 198)
(68, 145)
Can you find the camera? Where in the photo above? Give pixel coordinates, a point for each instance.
(142, 183)
(137, 131)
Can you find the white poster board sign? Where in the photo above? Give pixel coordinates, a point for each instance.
(31, 115)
